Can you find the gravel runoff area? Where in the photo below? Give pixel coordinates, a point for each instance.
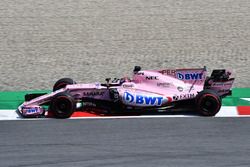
(42, 41)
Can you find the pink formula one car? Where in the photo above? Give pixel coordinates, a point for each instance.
(149, 90)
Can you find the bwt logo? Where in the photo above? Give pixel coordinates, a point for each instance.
(190, 76)
(142, 100)
(31, 110)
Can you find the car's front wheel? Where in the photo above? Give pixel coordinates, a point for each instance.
(208, 103)
(62, 105)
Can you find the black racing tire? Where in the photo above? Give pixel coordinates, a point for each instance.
(62, 83)
(208, 103)
(62, 105)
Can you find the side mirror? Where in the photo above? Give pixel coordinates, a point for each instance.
(107, 80)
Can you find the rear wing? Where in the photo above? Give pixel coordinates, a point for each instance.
(220, 81)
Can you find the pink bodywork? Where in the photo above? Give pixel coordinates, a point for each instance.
(149, 88)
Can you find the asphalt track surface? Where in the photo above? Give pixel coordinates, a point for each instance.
(126, 142)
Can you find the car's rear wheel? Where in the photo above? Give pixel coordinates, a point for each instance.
(62, 105)
(208, 103)
(62, 83)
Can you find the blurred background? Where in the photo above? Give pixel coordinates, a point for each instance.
(88, 40)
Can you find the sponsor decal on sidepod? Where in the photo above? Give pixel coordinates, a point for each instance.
(143, 100)
(183, 96)
(98, 93)
(164, 84)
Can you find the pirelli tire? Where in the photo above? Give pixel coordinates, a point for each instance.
(62, 105)
(62, 83)
(208, 103)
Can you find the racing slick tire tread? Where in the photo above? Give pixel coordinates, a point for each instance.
(62, 105)
(208, 103)
(62, 83)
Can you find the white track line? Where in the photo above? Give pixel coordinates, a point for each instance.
(8, 115)
(247, 99)
(225, 111)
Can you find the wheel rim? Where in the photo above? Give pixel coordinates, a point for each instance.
(63, 105)
(209, 104)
